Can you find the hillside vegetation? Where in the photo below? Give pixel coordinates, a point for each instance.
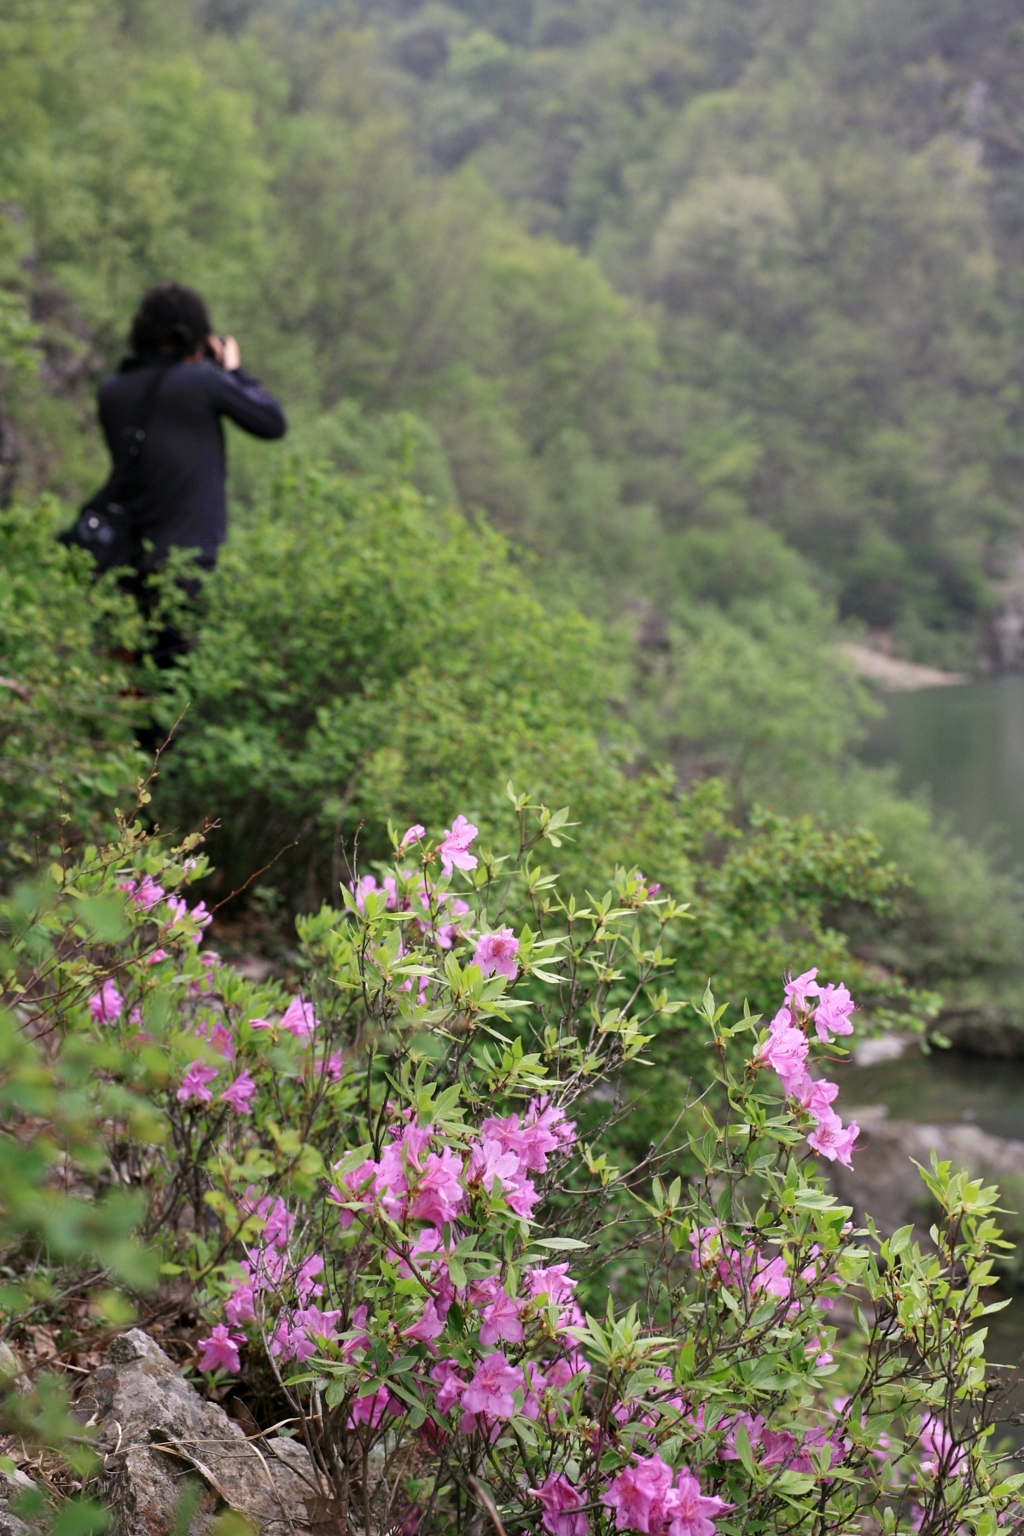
(709, 307)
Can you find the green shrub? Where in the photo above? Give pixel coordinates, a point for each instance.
(67, 747)
(361, 656)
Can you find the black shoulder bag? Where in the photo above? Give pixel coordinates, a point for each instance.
(104, 525)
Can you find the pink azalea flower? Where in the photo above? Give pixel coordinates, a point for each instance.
(240, 1094)
(413, 835)
(437, 1195)
(772, 1278)
(260, 1024)
(156, 957)
(298, 1333)
(785, 1050)
(335, 1066)
(240, 1306)
(372, 1408)
(832, 1141)
(356, 1336)
(145, 893)
(833, 1012)
(938, 1452)
(692, 1513)
(500, 1320)
(454, 849)
(278, 1225)
(552, 1281)
(299, 1019)
(545, 1130)
(352, 1187)
(797, 990)
(200, 915)
(219, 1037)
(193, 1084)
(559, 1499)
(645, 1498)
(447, 933)
(567, 1369)
(713, 1254)
(368, 886)
(818, 1440)
(490, 1391)
(489, 1162)
(497, 952)
(106, 1005)
(521, 1195)
(450, 1385)
(220, 1351)
(428, 1326)
(638, 1494)
(305, 1282)
(815, 1095)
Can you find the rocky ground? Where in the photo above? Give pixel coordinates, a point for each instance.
(172, 1461)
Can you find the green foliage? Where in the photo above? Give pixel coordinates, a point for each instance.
(356, 1157)
(750, 299)
(67, 748)
(795, 307)
(361, 656)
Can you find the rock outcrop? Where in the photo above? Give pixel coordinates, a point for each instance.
(11, 1485)
(157, 1435)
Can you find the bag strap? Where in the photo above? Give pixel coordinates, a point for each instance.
(136, 436)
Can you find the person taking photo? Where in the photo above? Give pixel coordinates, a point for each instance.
(161, 413)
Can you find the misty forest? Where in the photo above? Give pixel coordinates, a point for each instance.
(654, 375)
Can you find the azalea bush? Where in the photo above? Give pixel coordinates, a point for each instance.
(387, 1188)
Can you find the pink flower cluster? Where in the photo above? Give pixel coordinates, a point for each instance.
(179, 910)
(940, 1455)
(299, 1330)
(496, 952)
(437, 912)
(298, 1019)
(780, 1448)
(747, 1269)
(411, 1182)
(454, 846)
(560, 1503)
(195, 1086)
(145, 893)
(786, 1051)
(107, 1005)
(648, 1498)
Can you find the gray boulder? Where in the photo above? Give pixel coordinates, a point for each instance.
(884, 1183)
(156, 1434)
(11, 1485)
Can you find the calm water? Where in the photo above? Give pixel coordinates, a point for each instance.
(936, 1090)
(967, 745)
(941, 1088)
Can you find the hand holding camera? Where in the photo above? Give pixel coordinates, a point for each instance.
(224, 351)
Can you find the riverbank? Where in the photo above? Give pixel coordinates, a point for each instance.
(892, 674)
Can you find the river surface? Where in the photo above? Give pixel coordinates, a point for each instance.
(939, 1089)
(966, 745)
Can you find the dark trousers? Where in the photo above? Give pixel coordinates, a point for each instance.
(166, 644)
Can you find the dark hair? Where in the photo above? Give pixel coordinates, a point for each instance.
(171, 319)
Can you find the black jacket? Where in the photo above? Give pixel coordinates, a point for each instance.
(180, 501)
